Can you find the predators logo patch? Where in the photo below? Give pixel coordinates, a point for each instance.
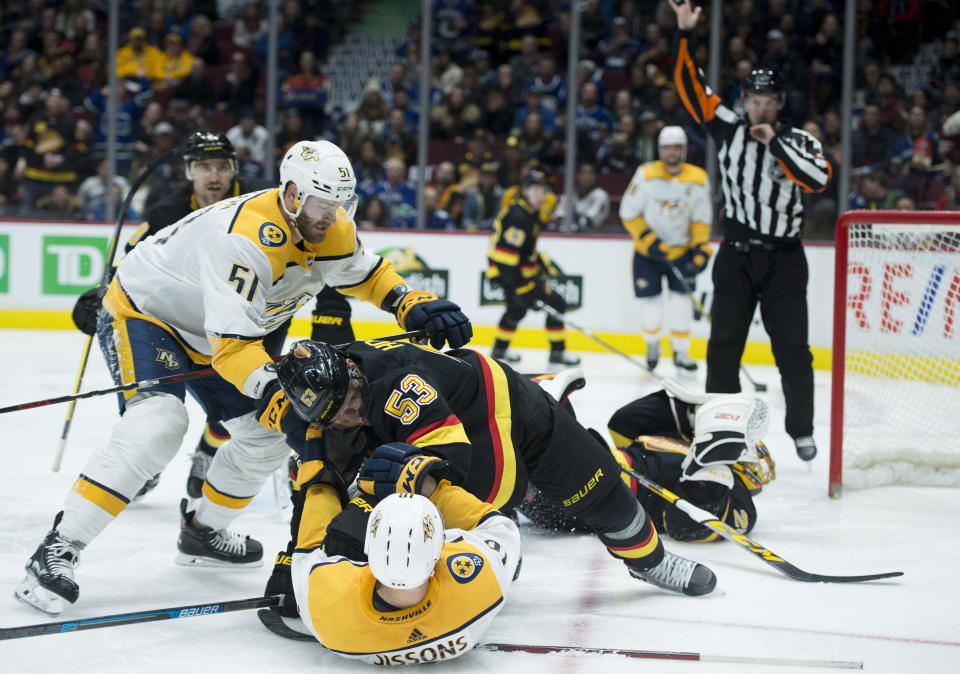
(271, 235)
(464, 567)
(309, 154)
(168, 358)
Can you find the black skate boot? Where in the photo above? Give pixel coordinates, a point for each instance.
(202, 546)
(506, 356)
(653, 355)
(50, 569)
(806, 447)
(562, 358)
(678, 574)
(684, 363)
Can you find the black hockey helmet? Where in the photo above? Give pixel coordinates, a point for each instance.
(534, 177)
(316, 377)
(208, 145)
(764, 81)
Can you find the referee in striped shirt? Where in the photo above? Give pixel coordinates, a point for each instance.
(765, 167)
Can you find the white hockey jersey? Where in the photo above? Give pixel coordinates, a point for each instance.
(224, 276)
(468, 589)
(676, 209)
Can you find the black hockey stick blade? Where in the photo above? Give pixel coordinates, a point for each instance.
(704, 518)
(183, 376)
(273, 621)
(671, 655)
(151, 615)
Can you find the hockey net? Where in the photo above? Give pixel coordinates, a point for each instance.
(896, 350)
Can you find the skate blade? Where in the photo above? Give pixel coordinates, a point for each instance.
(193, 560)
(38, 597)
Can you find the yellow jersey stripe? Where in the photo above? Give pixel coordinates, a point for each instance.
(99, 495)
(217, 497)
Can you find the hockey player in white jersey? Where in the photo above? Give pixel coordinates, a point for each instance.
(440, 563)
(203, 291)
(667, 211)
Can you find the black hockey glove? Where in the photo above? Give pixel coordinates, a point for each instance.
(656, 248)
(281, 582)
(399, 468)
(442, 319)
(694, 260)
(85, 311)
(274, 412)
(347, 531)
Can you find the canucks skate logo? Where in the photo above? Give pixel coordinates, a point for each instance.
(168, 358)
(416, 271)
(271, 235)
(308, 397)
(464, 567)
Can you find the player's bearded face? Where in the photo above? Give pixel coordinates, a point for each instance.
(314, 219)
(672, 155)
(352, 412)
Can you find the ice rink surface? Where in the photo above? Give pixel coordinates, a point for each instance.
(570, 592)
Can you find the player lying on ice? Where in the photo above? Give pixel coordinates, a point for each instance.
(438, 566)
(706, 448)
(204, 290)
(493, 432)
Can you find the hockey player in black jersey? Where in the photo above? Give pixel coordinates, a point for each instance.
(673, 437)
(498, 431)
(515, 265)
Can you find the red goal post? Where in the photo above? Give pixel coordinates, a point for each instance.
(895, 414)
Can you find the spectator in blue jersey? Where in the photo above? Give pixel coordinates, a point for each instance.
(436, 218)
(551, 87)
(548, 119)
(398, 195)
(594, 121)
(619, 49)
(133, 97)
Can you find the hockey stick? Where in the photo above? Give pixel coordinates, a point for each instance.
(540, 304)
(147, 383)
(108, 265)
(758, 386)
(274, 622)
(134, 617)
(671, 655)
(707, 519)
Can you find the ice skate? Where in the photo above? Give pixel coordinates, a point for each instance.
(563, 359)
(202, 546)
(199, 465)
(510, 357)
(653, 355)
(684, 363)
(50, 580)
(678, 574)
(806, 447)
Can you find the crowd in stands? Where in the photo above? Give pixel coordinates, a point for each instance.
(498, 97)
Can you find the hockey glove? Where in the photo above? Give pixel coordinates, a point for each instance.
(442, 319)
(85, 311)
(694, 260)
(274, 412)
(399, 468)
(719, 433)
(527, 295)
(653, 247)
(347, 531)
(281, 582)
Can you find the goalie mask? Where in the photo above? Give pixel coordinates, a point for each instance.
(317, 379)
(404, 539)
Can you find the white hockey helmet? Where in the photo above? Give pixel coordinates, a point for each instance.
(672, 135)
(404, 539)
(323, 176)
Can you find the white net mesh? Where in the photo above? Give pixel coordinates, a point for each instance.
(901, 421)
